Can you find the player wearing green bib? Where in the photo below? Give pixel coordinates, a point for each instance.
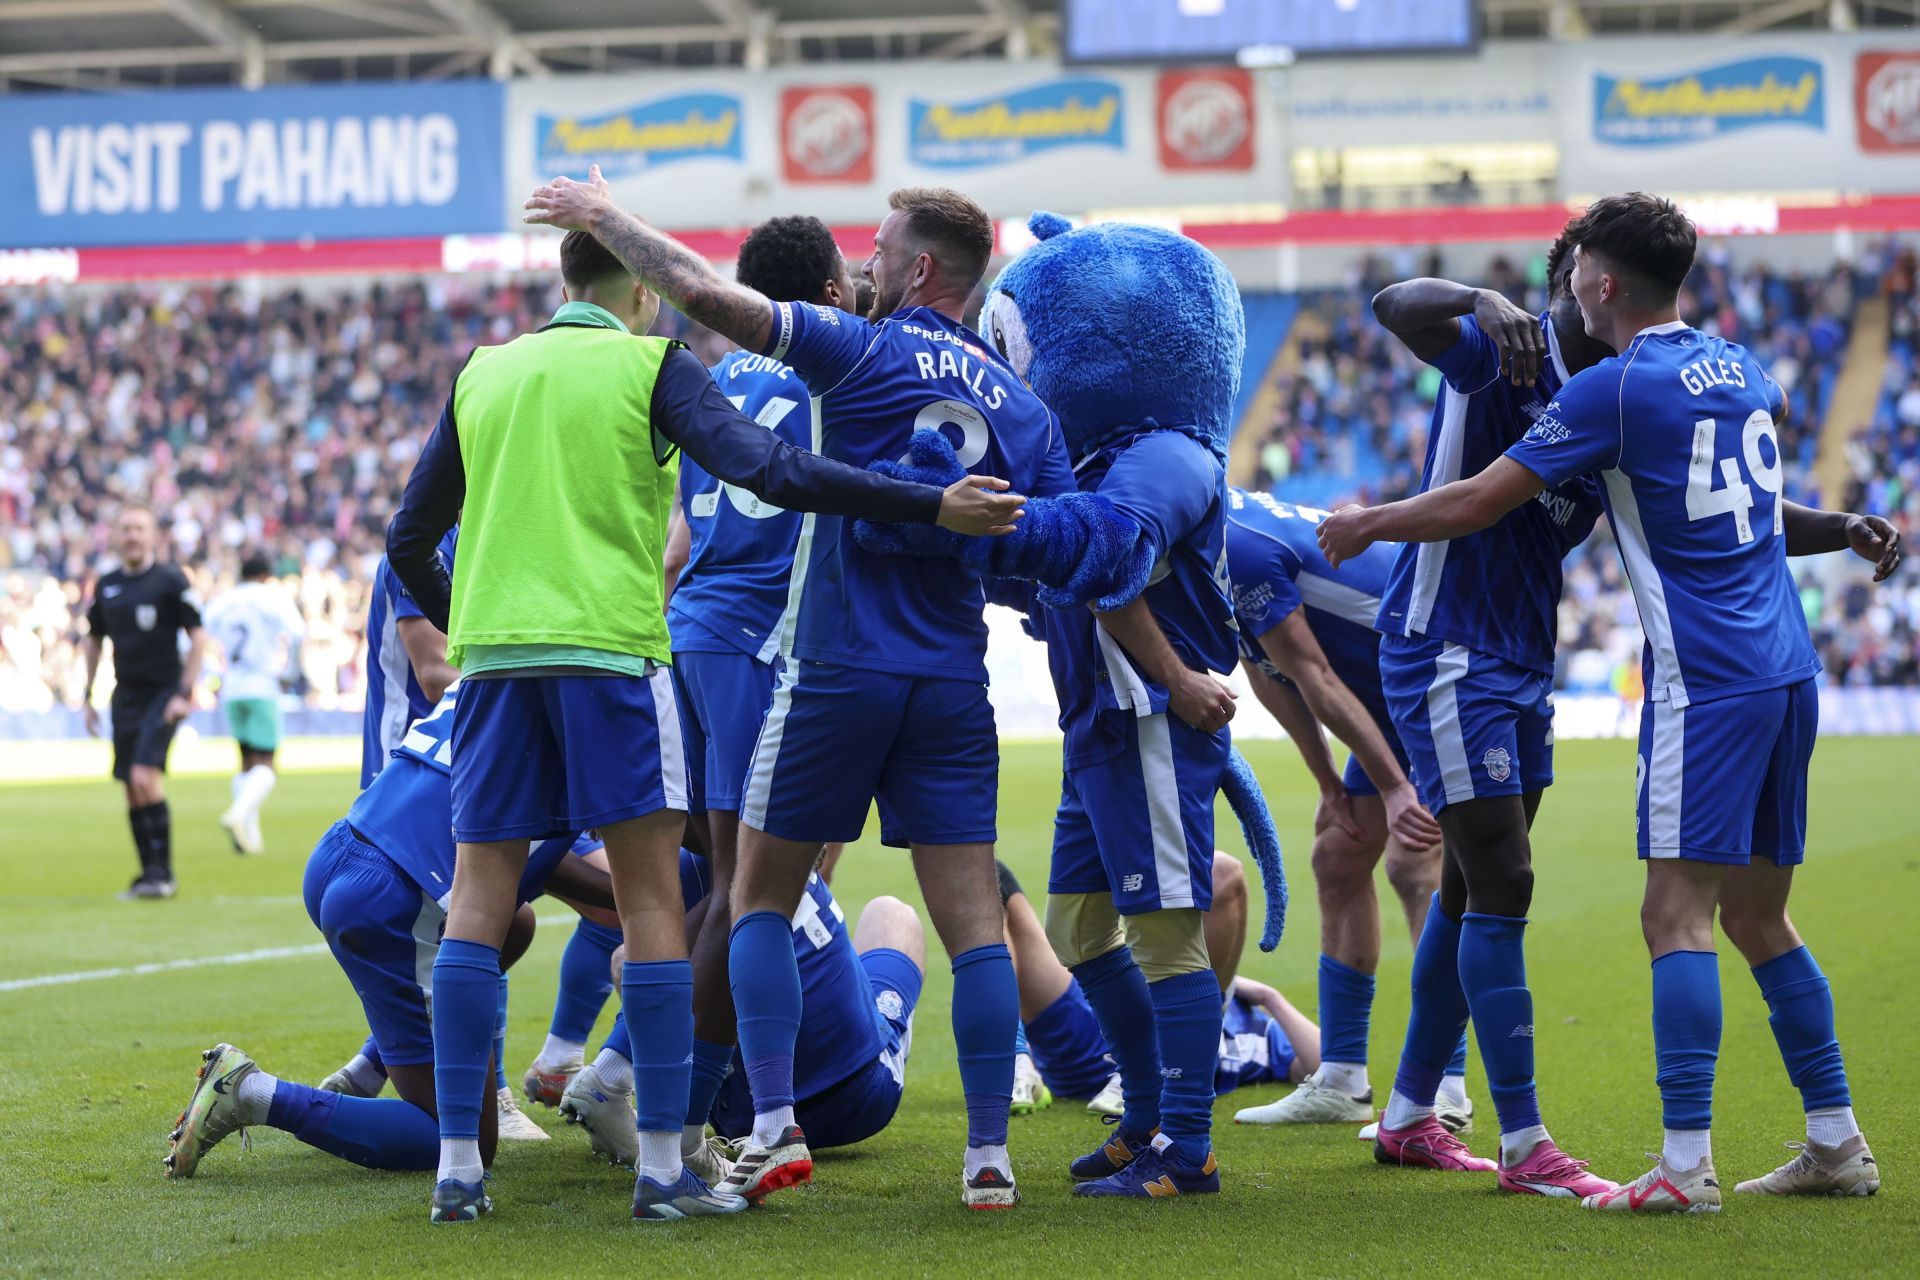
(557, 452)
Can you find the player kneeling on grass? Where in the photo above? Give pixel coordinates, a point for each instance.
(850, 1061)
(377, 886)
(1263, 1038)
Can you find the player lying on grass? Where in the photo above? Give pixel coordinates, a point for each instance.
(1312, 657)
(1681, 428)
(850, 1062)
(377, 887)
(1263, 1037)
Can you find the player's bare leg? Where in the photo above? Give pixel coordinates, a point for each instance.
(769, 877)
(1226, 920)
(962, 893)
(890, 924)
(1834, 1160)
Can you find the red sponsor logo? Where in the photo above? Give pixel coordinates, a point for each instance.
(1886, 101)
(1206, 119)
(826, 133)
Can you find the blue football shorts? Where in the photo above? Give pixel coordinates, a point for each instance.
(1726, 780)
(723, 700)
(836, 739)
(384, 932)
(1355, 778)
(542, 756)
(1068, 1050)
(1472, 724)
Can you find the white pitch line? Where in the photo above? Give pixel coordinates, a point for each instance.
(198, 962)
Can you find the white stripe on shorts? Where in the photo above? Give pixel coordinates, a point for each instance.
(1170, 871)
(1443, 723)
(1666, 769)
(673, 751)
(766, 750)
(426, 946)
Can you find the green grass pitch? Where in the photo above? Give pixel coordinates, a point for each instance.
(93, 1073)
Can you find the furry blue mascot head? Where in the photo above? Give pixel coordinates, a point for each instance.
(1120, 327)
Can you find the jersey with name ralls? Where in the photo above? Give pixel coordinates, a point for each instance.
(877, 384)
(733, 594)
(1682, 429)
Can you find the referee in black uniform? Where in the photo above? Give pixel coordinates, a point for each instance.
(142, 607)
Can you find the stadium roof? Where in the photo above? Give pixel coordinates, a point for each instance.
(118, 44)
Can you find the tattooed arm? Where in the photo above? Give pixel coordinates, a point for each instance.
(675, 272)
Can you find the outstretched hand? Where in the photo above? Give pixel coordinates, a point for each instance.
(979, 506)
(1875, 538)
(570, 205)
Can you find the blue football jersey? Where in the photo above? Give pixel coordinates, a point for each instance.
(733, 594)
(1276, 565)
(394, 697)
(1496, 591)
(841, 1036)
(876, 384)
(1253, 1048)
(1681, 429)
(407, 811)
(1176, 490)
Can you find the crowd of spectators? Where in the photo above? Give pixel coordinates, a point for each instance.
(272, 417)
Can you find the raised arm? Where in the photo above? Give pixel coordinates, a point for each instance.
(1811, 532)
(678, 274)
(1438, 515)
(1425, 315)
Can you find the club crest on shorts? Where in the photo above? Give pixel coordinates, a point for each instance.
(1499, 764)
(890, 1005)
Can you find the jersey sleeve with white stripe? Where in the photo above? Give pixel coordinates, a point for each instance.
(876, 385)
(1276, 565)
(1681, 428)
(732, 596)
(1441, 590)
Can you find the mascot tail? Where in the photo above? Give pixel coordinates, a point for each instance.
(1249, 805)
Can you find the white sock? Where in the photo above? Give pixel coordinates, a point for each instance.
(979, 1158)
(691, 1136)
(1686, 1149)
(255, 1097)
(614, 1071)
(1402, 1111)
(769, 1125)
(660, 1155)
(1349, 1078)
(460, 1160)
(256, 784)
(1454, 1090)
(556, 1053)
(1515, 1146)
(233, 788)
(365, 1077)
(1831, 1126)
(1023, 1065)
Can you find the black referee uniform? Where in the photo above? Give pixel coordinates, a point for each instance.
(143, 615)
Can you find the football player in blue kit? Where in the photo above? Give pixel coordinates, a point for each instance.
(883, 692)
(1466, 662)
(377, 886)
(1312, 657)
(1682, 429)
(850, 1063)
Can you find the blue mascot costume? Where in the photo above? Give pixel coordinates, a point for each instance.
(1134, 337)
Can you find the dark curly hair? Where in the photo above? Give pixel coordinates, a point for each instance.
(788, 259)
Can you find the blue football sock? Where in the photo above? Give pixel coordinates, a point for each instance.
(710, 1064)
(1186, 1018)
(765, 978)
(986, 1011)
(1686, 1036)
(1493, 973)
(1020, 1045)
(1346, 1007)
(371, 1052)
(1122, 1005)
(466, 1003)
(1439, 1014)
(500, 1038)
(379, 1133)
(658, 999)
(1802, 1019)
(586, 980)
(617, 1037)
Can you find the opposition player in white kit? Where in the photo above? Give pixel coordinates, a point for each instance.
(258, 628)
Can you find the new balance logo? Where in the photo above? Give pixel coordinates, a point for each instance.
(1162, 1186)
(1132, 883)
(1522, 1032)
(1170, 1073)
